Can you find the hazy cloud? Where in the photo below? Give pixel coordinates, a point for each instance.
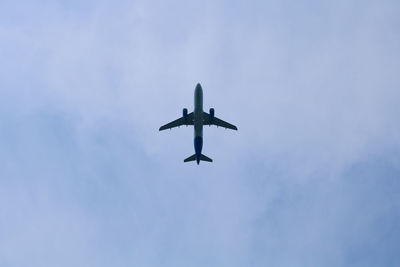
(310, 178)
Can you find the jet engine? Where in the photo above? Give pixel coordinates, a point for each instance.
(212, 113)
(184, 113)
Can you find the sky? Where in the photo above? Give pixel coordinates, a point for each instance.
(311, 178)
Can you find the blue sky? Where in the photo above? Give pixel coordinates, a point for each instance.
(310, 179)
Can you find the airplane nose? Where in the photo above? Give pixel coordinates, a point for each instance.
(198, 89)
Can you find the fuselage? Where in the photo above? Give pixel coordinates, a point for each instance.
(198, 121)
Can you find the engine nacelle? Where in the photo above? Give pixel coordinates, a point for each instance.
(212, 113)
(184, 113)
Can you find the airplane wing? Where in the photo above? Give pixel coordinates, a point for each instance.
(208, 120)
(179, 122)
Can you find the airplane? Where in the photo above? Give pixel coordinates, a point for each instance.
(198, 118)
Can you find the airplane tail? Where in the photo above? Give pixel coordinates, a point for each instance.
(202, 158)
(205, 158)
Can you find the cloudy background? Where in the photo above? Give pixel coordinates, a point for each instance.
(310, 179)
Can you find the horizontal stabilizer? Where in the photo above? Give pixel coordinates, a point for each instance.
(202, 158)
(191, 158)
(205, 158)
